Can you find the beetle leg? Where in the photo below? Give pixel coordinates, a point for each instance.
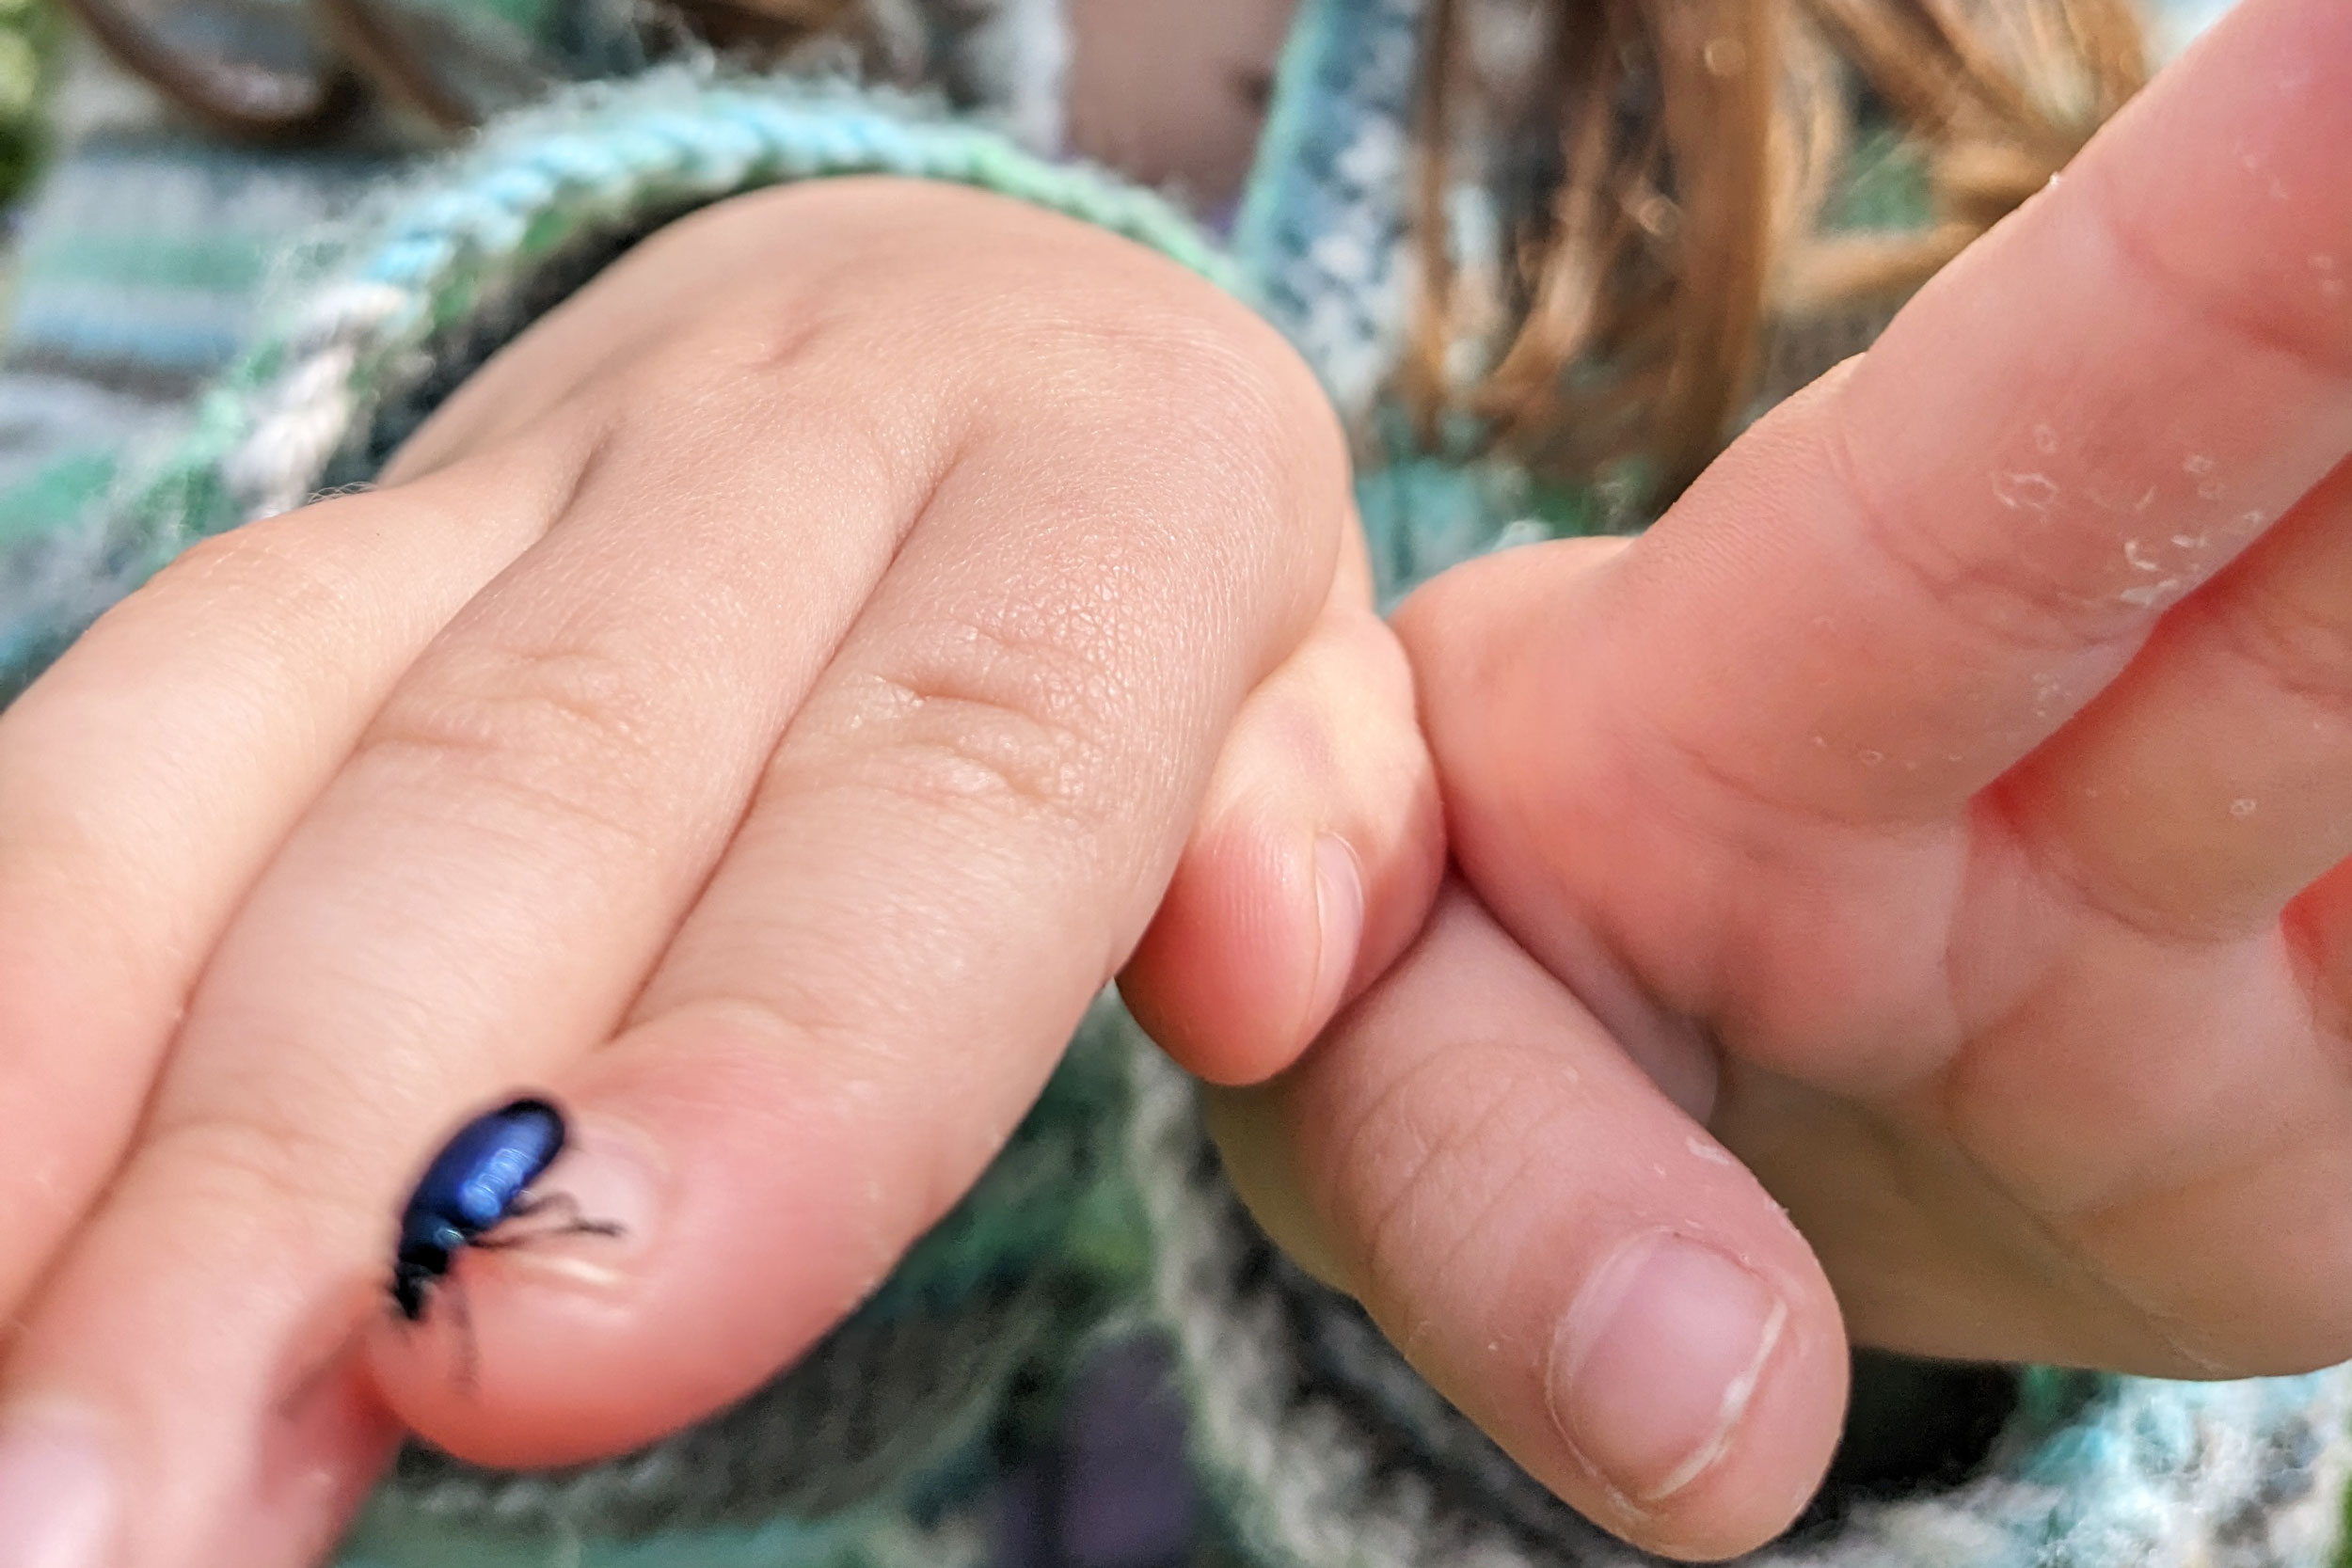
(551, 1205)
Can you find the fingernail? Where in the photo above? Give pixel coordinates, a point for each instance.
(613, 1179)
(1656, 1362)
(57, 1496)
(1339, 919)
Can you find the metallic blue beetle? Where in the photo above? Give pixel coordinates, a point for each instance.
(481, 1180)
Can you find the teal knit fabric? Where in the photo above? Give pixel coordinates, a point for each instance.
(1318, 1445)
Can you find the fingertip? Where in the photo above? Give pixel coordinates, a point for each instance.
(1229, 976)
(1702, 1387)
(761, 1193)
(611, 1315)
(1321, 848)
(1574, 1263)
(1691, 1391)
(502, 1375)
(512, 1365)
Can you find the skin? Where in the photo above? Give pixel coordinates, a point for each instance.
(762, 709)
(719, 719)
(1944, 808)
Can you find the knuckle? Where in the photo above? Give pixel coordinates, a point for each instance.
(2304, 327)
(2019, 598)
(1231, 385)
(808, 371)
(269, 572)
(2301, 646)
(1000, 718)
(1438, 624)
(552, 730)
(1245, 396)
(780, 347)
(1206, 400)
(1420, 1180)
(260, 1162)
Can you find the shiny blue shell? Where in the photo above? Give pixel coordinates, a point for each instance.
(471, 1186)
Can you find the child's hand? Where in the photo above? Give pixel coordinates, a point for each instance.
(1944, 811)
(763, 708)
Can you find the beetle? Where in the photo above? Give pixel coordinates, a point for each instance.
(479, 1181)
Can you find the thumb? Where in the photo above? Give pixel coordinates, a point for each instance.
(1555, 1245)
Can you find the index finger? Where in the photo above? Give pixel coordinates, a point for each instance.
(1905, 579)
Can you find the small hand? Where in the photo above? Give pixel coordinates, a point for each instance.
(1944, 808)
(761, 709)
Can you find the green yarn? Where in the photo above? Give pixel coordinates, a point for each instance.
(30, 41)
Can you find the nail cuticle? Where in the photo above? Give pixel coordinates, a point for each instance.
(1736, 1396)
(617, 1172)
(1656, 1364)
(611, 1170)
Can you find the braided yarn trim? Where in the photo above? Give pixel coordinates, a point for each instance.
(880, 1537)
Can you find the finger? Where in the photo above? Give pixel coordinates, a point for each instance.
(148, 775)
(957, 842)
(2214, 780)
(1318, 849)
(1558, 1249)
(1907, 578)
(472, 900)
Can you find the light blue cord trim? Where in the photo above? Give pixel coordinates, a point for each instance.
(735, 141)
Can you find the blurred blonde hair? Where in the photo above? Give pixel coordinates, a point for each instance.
(1681, 228)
